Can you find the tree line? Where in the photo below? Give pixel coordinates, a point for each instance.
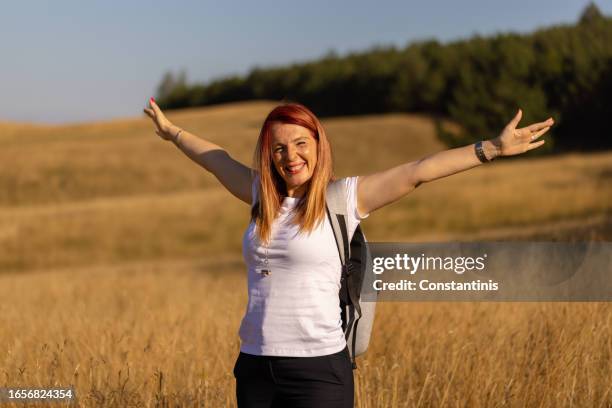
(563, 71)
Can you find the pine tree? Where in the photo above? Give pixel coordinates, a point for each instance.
(591, 14)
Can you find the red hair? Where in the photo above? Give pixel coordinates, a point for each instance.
(310, 210)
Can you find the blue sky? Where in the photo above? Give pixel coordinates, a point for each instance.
(75, 61)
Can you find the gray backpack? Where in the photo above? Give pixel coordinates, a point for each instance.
(356, 284)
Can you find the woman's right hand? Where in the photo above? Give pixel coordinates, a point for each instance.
(163, 127)
(235, 176)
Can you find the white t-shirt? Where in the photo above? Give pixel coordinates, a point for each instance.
(294, 311)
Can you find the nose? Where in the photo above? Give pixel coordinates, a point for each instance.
(291, 153)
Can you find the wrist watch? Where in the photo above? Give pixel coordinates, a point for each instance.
(480, 153)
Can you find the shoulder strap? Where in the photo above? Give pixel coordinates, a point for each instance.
(336, 199)
(337, 211)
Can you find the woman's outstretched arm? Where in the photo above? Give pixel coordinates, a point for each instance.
(235, 176)
(377, 190)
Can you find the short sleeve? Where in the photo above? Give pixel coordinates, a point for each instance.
(351, 188)
(353, 214)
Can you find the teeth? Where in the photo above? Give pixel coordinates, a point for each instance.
(294, 169)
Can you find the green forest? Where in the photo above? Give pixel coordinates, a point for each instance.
(563, 71)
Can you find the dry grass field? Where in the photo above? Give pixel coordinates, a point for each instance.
(121, 275)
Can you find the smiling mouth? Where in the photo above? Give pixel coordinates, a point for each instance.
(295, 169)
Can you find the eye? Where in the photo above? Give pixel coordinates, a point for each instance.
(278, 149)
(301, 143)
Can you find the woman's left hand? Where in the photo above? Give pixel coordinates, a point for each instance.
(514, 141)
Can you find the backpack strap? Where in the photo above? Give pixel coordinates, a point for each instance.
(336, 201)
(336, 210)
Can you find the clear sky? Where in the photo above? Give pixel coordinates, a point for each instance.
(73, 61)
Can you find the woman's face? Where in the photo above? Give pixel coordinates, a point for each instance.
(294, 153)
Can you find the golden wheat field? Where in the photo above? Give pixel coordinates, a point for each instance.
(121, 271)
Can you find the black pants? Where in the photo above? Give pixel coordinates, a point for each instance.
(296, 382)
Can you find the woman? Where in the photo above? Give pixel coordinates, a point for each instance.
(293, 351)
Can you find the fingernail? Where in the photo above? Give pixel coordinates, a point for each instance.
(152, 99)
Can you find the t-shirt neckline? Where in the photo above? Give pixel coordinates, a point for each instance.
(291, 200)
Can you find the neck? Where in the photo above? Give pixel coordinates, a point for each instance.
(297, 191)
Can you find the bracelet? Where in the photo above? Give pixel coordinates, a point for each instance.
(480, 153)
(176, 140)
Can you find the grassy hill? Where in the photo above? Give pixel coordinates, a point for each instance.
(114, 191)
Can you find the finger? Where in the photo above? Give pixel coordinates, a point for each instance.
(537, 126)
(515, 121)
(154, 106)
(540, 133)
(535, 145)
(149, 112)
